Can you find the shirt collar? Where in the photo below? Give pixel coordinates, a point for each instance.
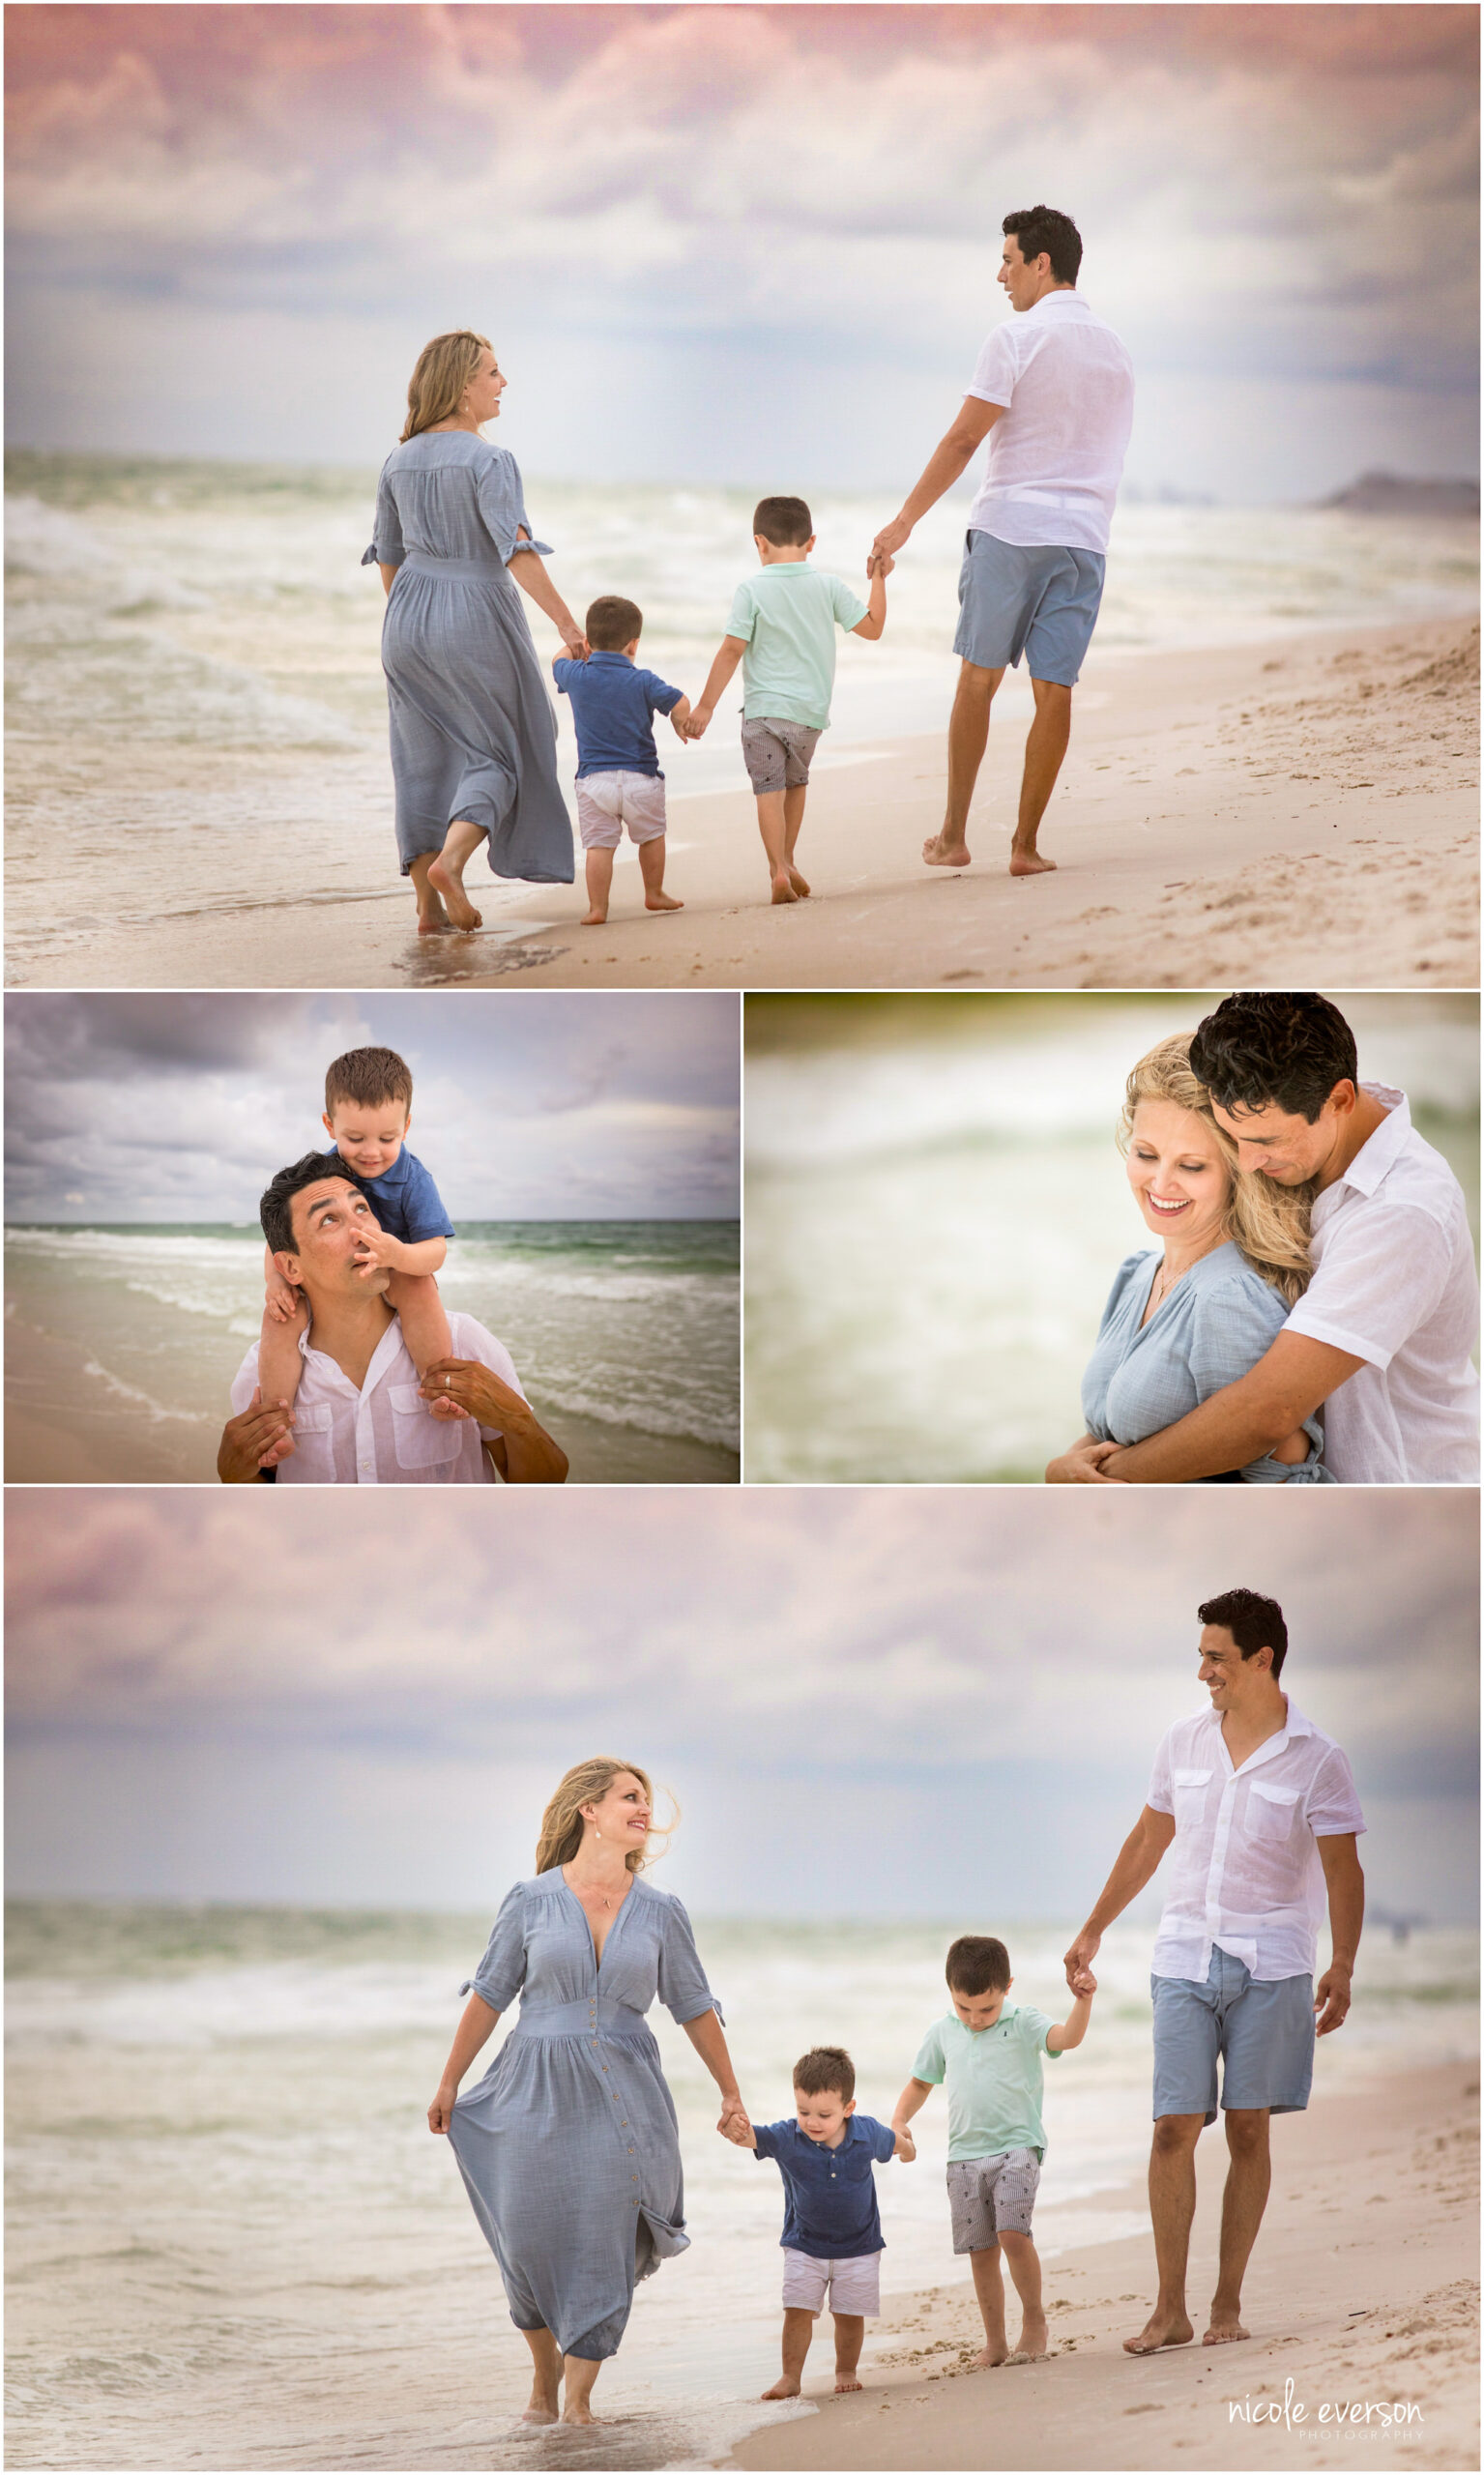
(383, 1358)
(606, 654)
(1380, 1151)
(1295, 1725)
(1064, 298)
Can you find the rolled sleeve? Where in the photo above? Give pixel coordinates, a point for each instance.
(501, 505)
(1382, 1272)
(1333, 1806)
(995, 372)
(683, 1987)
(502, 1972)
(387, 548)
(1161, 1790)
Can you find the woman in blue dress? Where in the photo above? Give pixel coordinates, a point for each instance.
(569, 2146)
(473, 741)
(1192, 1314)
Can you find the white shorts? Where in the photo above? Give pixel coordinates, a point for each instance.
(852, 2285)
(608, 802)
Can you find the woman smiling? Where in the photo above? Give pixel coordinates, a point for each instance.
(1199, 1310)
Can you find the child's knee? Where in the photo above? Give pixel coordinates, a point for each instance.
(1016, 2244)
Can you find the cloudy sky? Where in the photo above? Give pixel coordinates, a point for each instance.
(526, 1105)
(865, 1699)
(710, 242)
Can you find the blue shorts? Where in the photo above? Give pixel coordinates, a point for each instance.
(1264, 2033)
(1039, 602)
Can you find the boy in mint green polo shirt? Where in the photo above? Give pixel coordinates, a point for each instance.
(988, 2054)
(781, 629)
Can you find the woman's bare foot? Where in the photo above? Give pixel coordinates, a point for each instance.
(785, 2386)
(461, 911)
(596, 919)
(1225, 2330)
(940, 854)
(1023, 863)
(546, 2406)
(434, 921)
(782, 888)
(844, 2382)
(801, 885)
(662, 902)
(1164, 2327)
(576, 2411)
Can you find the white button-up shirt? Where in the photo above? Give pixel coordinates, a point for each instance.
(1057, 453)
(1394, 1283)
(383, 1434)
(1246, 1867)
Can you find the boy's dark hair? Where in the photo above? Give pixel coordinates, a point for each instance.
(273, 1207)
(1254, 1623)
(1264, 1049)
(612, 623)
(978, 1964)
(1041, 227)
(826, 2067)
(367, 1077)
(784, 522)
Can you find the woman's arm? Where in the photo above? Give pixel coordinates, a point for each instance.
(474, 2030)
(529, 571)
(388, 576)
(707, 2036)
(1082, 1465)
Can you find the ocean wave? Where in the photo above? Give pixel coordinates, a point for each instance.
(159, 1411)
(695, 1426)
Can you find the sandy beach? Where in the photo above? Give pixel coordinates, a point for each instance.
(1301, 809)
(1362, 2290)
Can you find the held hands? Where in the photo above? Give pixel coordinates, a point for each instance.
(888, 541)
(905, 2145)
(575, 643)
(695, 723)
(1082, 1467)
(879, 563)
(734, 2124)
(1078, 1963)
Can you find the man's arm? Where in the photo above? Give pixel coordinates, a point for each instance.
(255, 1441)
(1138, 1861)
(975, 421)
(1245, 1419)
(1346, 1885)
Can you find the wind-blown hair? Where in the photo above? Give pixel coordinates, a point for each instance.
(443, 369)
(1268, 1222)
(586, 1783)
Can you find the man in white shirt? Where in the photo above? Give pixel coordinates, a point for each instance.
(358, 1417)
(1053, 391)
(1261, 1812)
(1381, 1336)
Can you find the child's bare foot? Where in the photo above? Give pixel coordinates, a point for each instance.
(1030, 2344)
(783, 889)
(1030, 864)
(801, 885)
(1164, 2327)
(596, 919)
(785, 2386)
(989, 2358)
(461, 911)
(662, 902)
(844, 2382)
(942, 854)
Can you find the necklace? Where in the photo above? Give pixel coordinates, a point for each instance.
(1165, 1281)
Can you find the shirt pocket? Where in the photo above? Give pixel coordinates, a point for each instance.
(1271, 1810)
(1188, 1788)
(313, 1458)
(421, 1441)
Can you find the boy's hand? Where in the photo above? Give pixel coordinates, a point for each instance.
(285, 1303)
(375, 1248)
(697, 720)
(905, 2145)
(878, 563)
(1084, 1984)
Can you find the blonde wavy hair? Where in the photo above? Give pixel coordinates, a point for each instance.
(443, 369)
(586, 1783)
(1270, 1223)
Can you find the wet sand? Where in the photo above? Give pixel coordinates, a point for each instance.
(1362, 2290)
(1302, 810)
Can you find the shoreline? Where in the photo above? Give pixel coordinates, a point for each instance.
(1362, 2288)
(1297, 807)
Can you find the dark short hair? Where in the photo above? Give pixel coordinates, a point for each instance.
(978, 1964)
(274, 1208)
(1254, 1623)
(1042, 227)
(367, 1077)
(1263, 1050)
(612, 623)
(826, 2067)
(784, 522)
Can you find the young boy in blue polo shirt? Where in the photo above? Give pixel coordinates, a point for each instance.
(831, 2239)
(368, 1110)
(619, 780)
(781, 629)
(989, 2052)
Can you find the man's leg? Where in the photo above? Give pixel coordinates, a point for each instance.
(1172, 2206)
(446, 873)
(598, 867)
(968, 739)
(433, 919)
(1045, 748)
(989, 2291)
(792, 818)
(1025, 2267)
(1248, 2178)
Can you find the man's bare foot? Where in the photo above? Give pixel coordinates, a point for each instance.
(461, 911)
(845, 2382)
(662, 902)
(596, 919)
(945, 855)
(1226, 2329)
(1163, 2328)
(783, 2387)
(1023, 863)
(990, 2358)
(801, 885)
(784, 891)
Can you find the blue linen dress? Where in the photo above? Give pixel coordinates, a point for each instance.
(472, 733)
(570, 2146)
(1214, 1325)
